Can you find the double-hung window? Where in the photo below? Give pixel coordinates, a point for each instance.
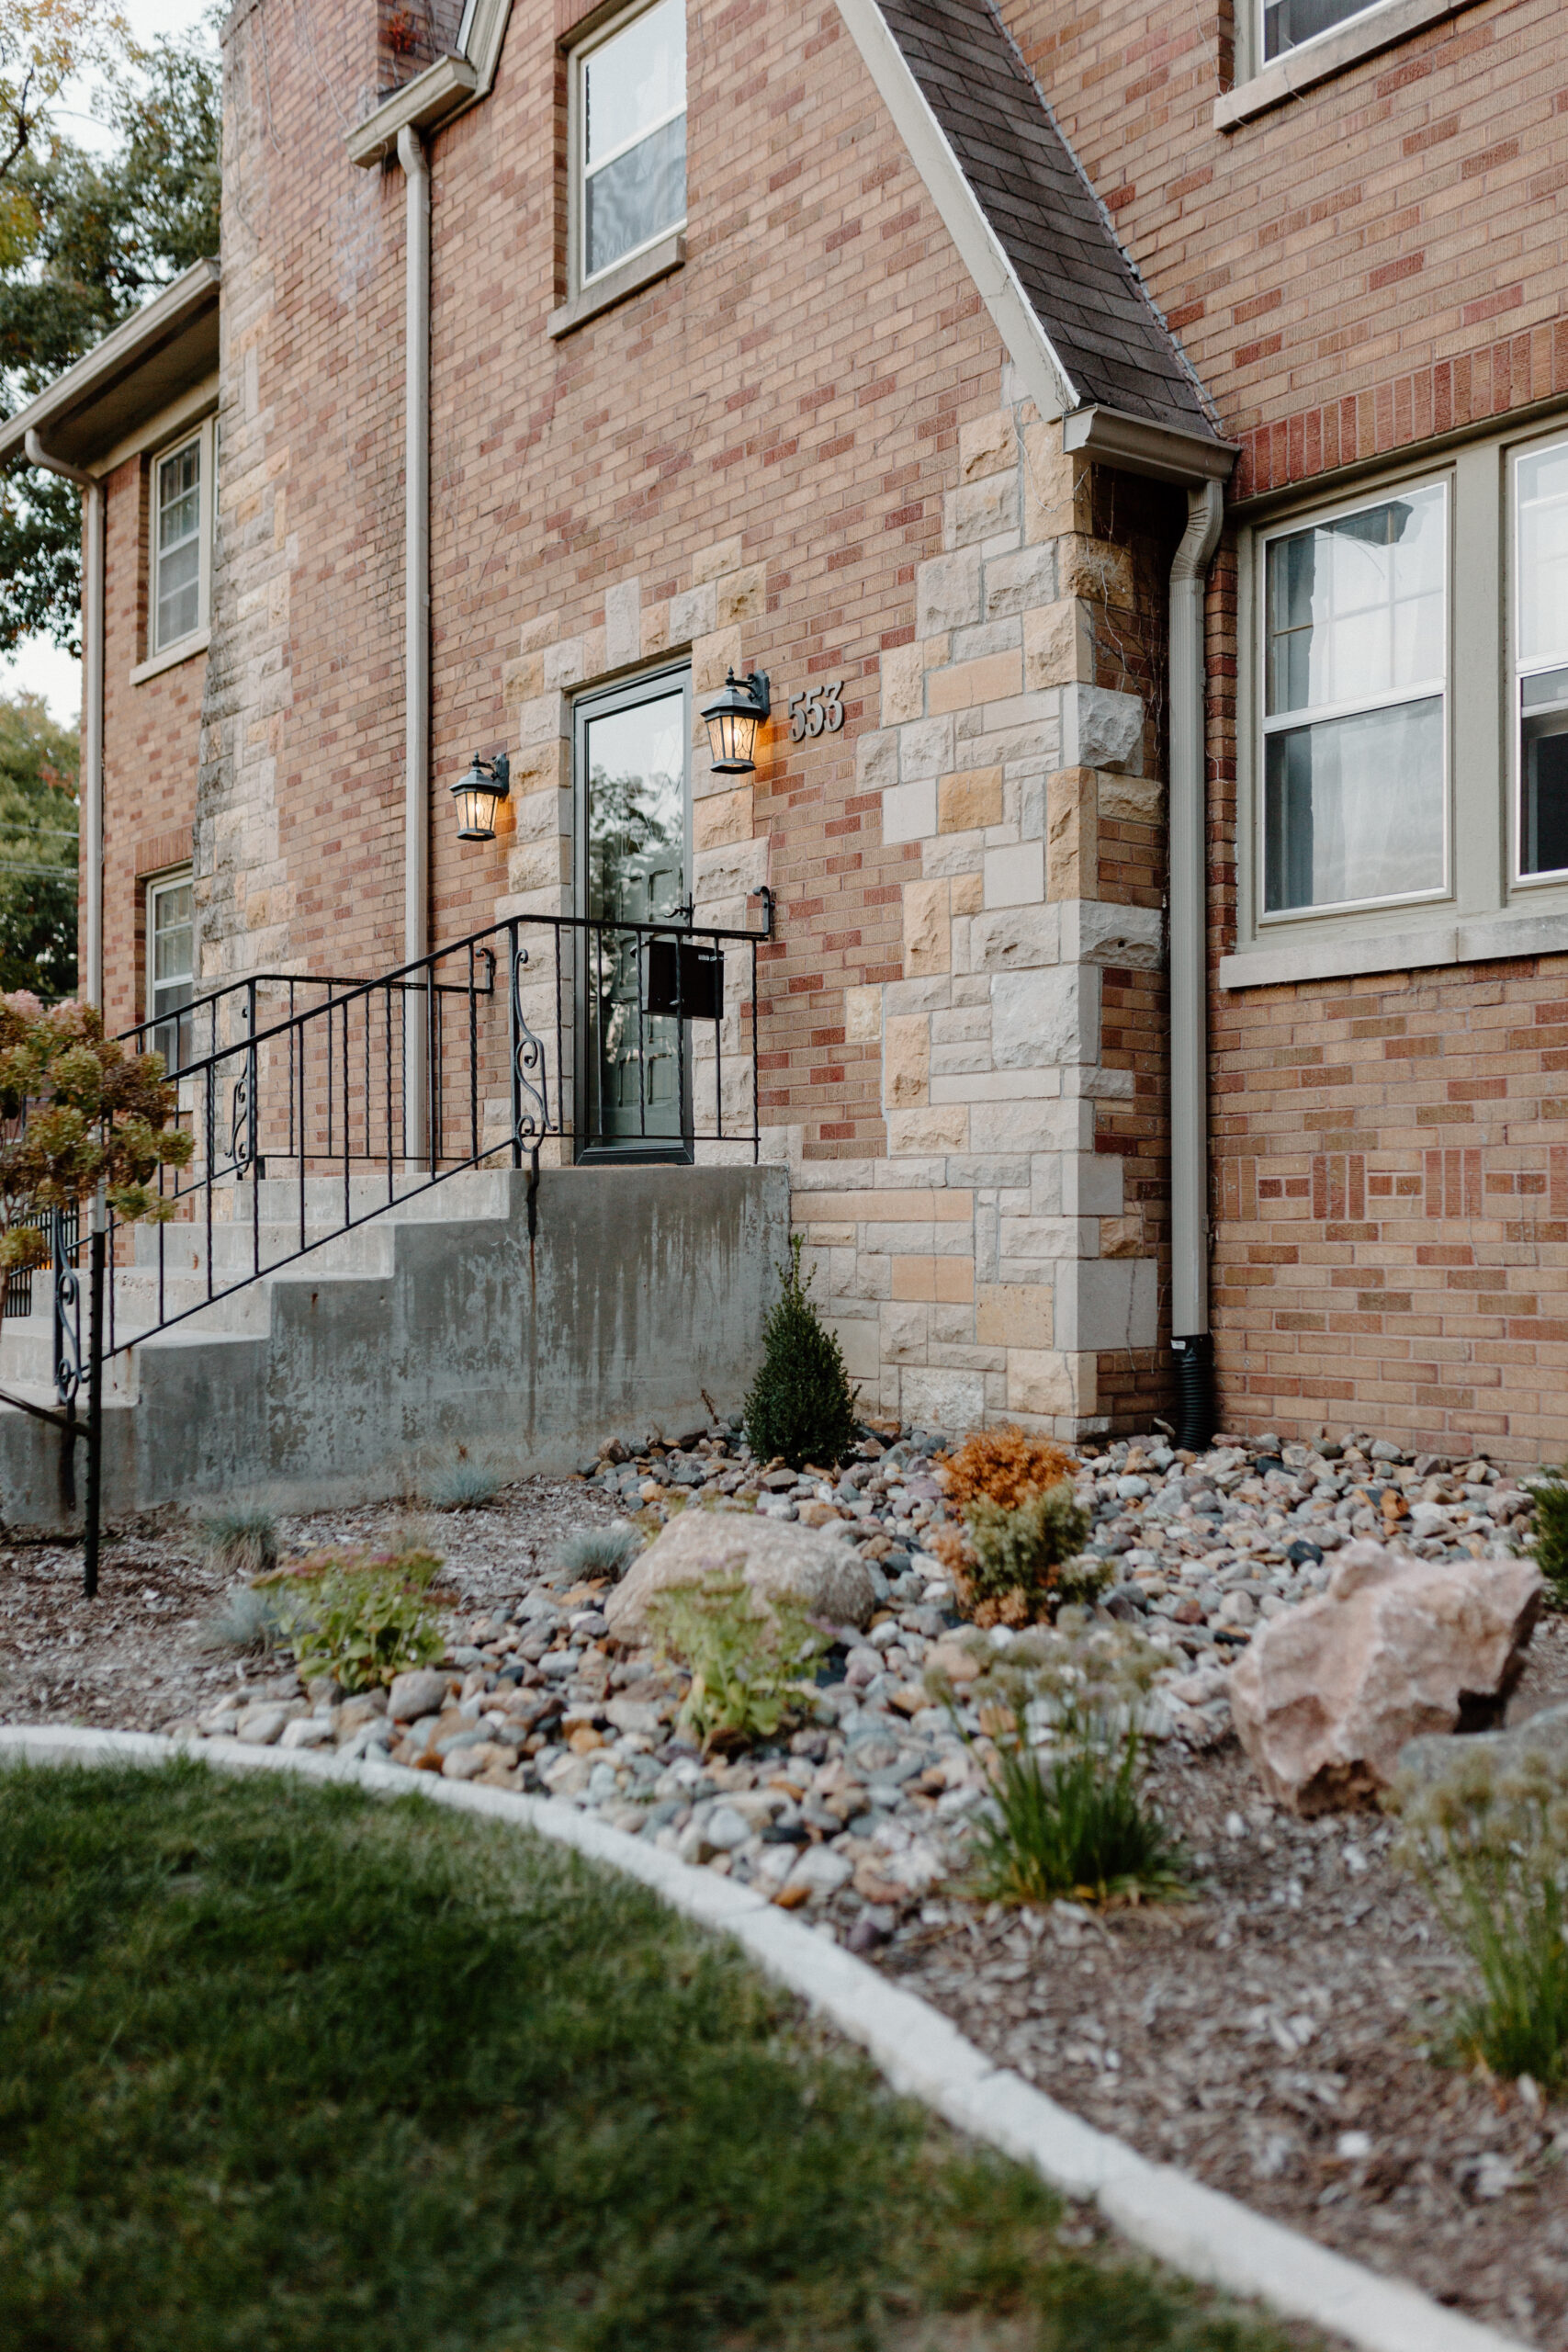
(171, 966)
(180, 535)
(631, 137)
(1540, 655)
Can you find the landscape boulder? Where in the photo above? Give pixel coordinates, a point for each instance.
(422, 1691)
(773, 1556)
(1426, 1761)
(1328, 1693)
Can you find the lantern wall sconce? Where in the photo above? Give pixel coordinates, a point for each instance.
(732, 721)
(478, 794)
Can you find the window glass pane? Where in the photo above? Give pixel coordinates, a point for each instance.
(1287, 23)
(178, 545)
(1356, 606)
(1353, 808)
(634, 136)
(1542, 492)
(1543, 773)
(172, 960)
(636, 787)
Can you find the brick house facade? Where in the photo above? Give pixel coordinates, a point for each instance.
(964, 312)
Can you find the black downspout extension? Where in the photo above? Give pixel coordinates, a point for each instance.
(1194, 1360)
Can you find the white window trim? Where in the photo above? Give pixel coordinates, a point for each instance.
(1518, 671)
(195, 641)
(174, 877)
(1487, 911)
(622, 275)
(1261, 85)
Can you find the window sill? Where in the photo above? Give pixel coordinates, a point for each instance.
(1286, 77)
(1490, 940)
(184, 648)
(668, 254)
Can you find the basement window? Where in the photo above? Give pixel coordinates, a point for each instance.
(629, 119)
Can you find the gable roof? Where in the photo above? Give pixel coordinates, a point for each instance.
(150, 359)
(1025, 216)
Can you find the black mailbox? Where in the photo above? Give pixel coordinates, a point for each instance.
(685, 978)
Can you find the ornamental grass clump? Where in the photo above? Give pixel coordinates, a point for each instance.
(801, 1408)
(753, 1668)
(362, 1621)
(462, 1485)
(241, 1543)
(598, 1552)
(1064, 1712)
(1490, 1846)
(1551, 1493)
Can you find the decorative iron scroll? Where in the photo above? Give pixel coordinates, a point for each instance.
(530, 1116)
(67, 1312)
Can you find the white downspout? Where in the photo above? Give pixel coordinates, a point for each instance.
(416, 625)
(90, 978)
(1189, 953)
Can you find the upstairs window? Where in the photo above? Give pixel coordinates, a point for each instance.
(1288, 23)
(1355, 659)
(631, 138)
(1540, 649)
(181, 540)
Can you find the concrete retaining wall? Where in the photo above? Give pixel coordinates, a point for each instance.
(643, 1287)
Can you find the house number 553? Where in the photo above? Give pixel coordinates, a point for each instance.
(816, 712)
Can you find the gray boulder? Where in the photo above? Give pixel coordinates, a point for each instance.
(420, 1693)
(1430, 1759)
(773, 1556)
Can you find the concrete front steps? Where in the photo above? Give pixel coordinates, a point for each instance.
(350, 1373)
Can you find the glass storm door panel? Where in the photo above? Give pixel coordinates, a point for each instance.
(635, 802)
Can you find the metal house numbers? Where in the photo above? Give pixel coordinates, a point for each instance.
(817, 711)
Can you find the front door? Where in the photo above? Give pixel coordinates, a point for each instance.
(633, 749)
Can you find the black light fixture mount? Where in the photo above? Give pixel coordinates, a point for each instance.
(478, 794)
(732, 720)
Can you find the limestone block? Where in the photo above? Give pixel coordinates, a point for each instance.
(523, 679)
(541, 816)
(904, 1332)
(709, 562)
(876, 759)
(1094, 933)
(540, 722)
(925, 748)
(968, 685)
(903, 685)
(928, 938)
(1015, 939)
(942, 1129)
(981, 510)
(694, 614)
(863, 1016)
(622, 624)
(1327, 1693)
(1100, 729)
(1036, 1124)
(986, 444)
(906, 1062)
(1045, 1380)
(861, 1346)
(1097, 569)
(1016, 583)
(1122, 1236)
(538, 864)
(1109, 1302)
(968, 894)
(909, 811)
(656, 636)
(1132, 800)
(713, 656)
(933, 1398)
(741, 595)
(947, 593)
(1058, 646)
(542, 630)
(1072, 834)
(913, 996)
(564, 664)
(733, 869)
(1015, 875)
(1056, 485)
(948, 1282)
(1047, 1018)
(1014, 1315)
(1088, 1183)
(721, 817)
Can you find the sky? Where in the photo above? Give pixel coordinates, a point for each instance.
(38, 666)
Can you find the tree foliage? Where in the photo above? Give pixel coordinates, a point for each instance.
(83, 241)
(801, 1407)
(37, 850)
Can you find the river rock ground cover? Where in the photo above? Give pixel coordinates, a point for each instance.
(1274, 2035)
(291, 2067)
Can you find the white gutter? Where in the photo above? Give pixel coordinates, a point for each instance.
(1189, 947)
(416, 620)
(90, 973)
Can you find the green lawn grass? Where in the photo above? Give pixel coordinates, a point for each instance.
(285, 2065)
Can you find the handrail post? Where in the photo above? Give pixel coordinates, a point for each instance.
(95, 1398)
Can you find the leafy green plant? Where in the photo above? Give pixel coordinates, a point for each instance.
(241, 1543)
(751, 1667)
(361, 1622)
(247, 1622)
(598, 1552)
(464, 1485)
(1491, 1848)
(1021, 1564)
(801, 1408)
(1551, 1492)
(1064, 1710)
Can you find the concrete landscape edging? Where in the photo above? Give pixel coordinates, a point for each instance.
(1199, 2232)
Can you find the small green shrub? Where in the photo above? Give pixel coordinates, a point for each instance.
(801, 1408)
(361, 1622)
(1024, 1565)
(1492, 1848)
(465, 1486)
(241, 1543)
(598, 1552)
(1551, 1492)
(1067, 1816)
(750, 1668)
(246, 1623)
